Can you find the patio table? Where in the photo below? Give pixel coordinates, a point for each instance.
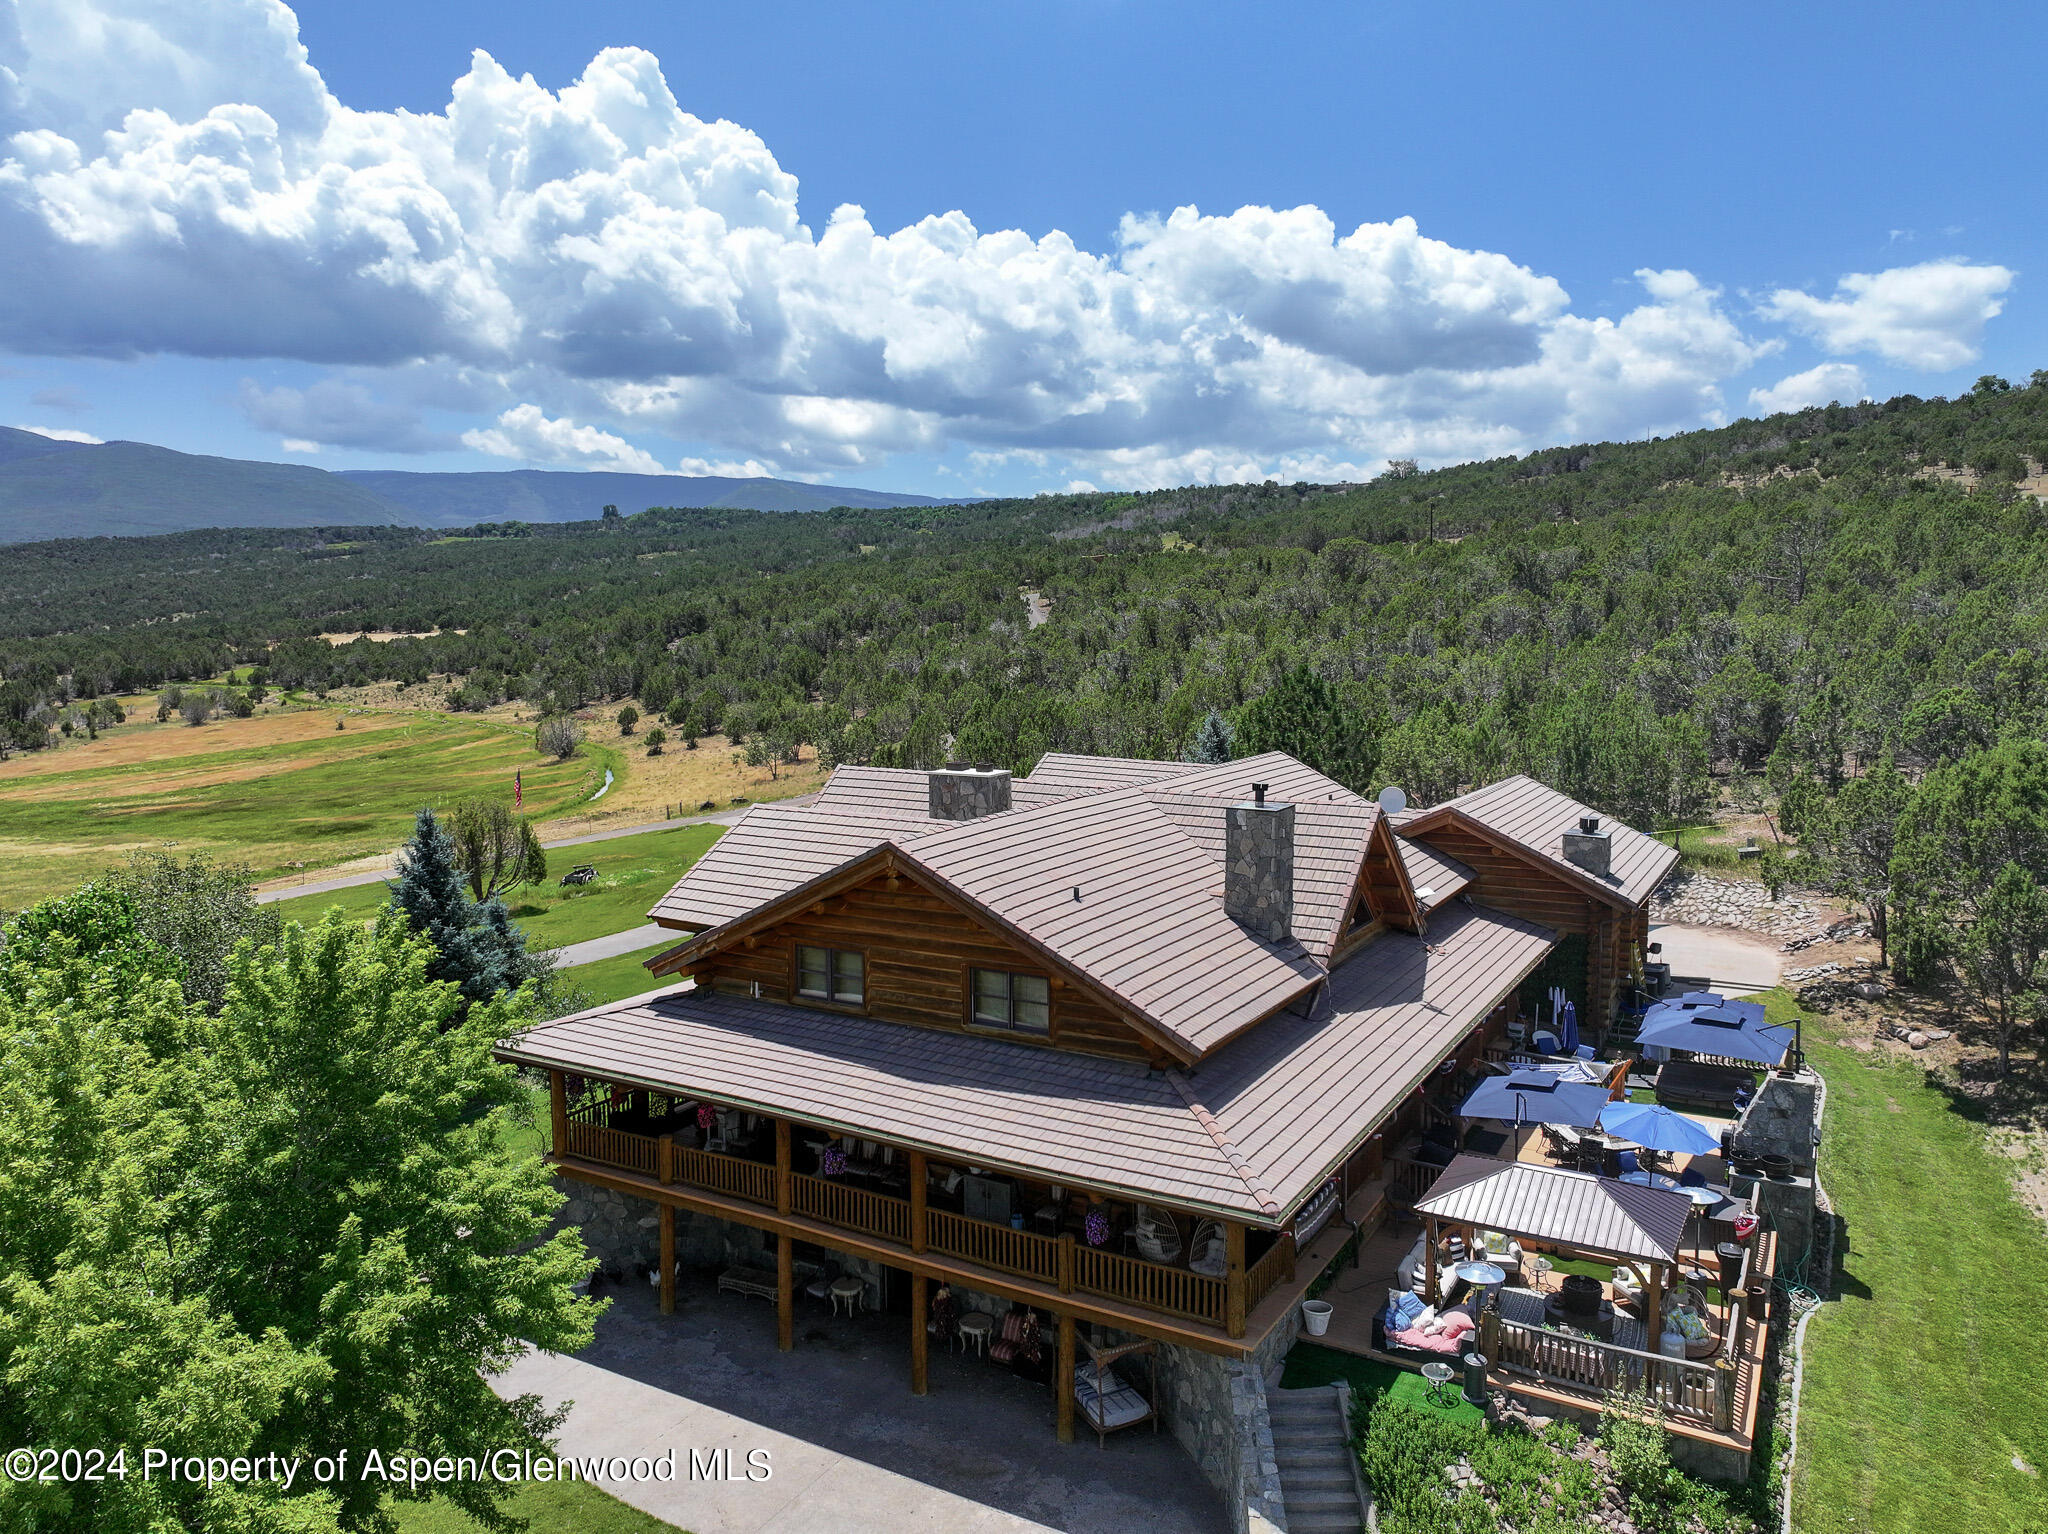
(1439, 1375)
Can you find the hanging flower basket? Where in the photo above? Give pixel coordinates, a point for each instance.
(832, 1163)
(1096, 1227)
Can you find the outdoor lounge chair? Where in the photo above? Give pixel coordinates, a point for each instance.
(1020, 1343)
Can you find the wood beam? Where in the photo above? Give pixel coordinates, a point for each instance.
(558, 1107)
(1429, 1258)
(1233, 1277)
(782, 1166)
(785, 1292)
(920, 1336)
(919, 1181)
(668, 1259)
(1063, 1379)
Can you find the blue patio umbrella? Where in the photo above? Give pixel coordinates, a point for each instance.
(1735, 1029)
(1655, 1127)
(1536, 1097)
(1568, 1026)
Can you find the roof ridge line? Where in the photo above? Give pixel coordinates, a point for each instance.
(1231, 1153)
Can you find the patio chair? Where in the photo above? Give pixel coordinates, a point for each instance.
(1692, 1177)
(1626, 1161)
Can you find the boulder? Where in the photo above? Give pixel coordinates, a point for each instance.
(1917, 1039)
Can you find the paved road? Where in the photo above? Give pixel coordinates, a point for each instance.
(377, 875)
(1734, 960)
(809, 1489)
(630, 941)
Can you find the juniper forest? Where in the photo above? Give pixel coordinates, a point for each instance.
(1790, 598)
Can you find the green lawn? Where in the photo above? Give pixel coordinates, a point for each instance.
(286, 796)
(612, 979)
(550, 1507)
(1924, 1378)
(1309, 1366)
(632, 873)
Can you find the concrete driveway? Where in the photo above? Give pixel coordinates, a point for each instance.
(854, 1451)
(1733, 960)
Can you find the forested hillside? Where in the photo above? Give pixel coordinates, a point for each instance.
(1803, 591)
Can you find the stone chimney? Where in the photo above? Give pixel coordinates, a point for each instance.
(1590, 847)
(1258, 866)
(957, 791)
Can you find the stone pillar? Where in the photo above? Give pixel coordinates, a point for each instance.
(960, 792)
(1258, 866)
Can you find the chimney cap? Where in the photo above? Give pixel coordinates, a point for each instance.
(1589, 825)
(1259, 792)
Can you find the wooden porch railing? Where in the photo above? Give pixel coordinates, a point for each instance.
(1700, 1393)
(612, 1147)
(1408, 1181)
(753, 1181)
(1150, 1284)
(851, 1208)
(1275, 1266)
(1022, 1252)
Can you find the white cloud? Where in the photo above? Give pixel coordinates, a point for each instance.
(524, 432)
(298, 445)
(1927, 316)
(61, 434)
(1830, 383)
(180, 179)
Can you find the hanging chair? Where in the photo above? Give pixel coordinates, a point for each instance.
(1208, 1254)
(1155, 1235)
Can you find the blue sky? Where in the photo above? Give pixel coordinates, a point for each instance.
(1494, 227)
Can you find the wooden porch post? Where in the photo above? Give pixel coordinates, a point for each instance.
(785, 1292)
(1063, 1381)
(668, 1258)
(918, 1179)
(1653, 1309)
(665, 1159)
(1429, 1258)
(558, 1105)
(1066, 1262)
(782, 1183)
(920, 1338)
(1233, 1280)
(1287, 1239)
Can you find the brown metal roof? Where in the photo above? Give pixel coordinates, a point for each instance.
(1428, 869)
(1550, 1204)
(1535, 817)
(1284, 777)
(771, 851)
(1067, 773)
(1250, 1132)
(903, 793)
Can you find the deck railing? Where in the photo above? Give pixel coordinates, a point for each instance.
(753, 1181)
(1408, 1181)
(1700, 1393)
(993, 1246)
(1150, 1284)
(612, 1147)
(850, 1208)
(1274, 1267)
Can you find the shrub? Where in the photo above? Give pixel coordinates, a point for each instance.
(656, 739)
(196, 707)
(628, 717)
(558, 735)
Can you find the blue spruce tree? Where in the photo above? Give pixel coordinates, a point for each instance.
(481, 952)
(1212, 741)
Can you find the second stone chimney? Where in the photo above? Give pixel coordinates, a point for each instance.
(957, 791)
(1258, 866)
(1590, 847)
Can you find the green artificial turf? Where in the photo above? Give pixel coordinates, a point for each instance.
(1924, 1376)
(549, 1507)
(632, 873)
(1308, 1366)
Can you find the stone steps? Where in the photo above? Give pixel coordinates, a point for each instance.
(1311, 1444)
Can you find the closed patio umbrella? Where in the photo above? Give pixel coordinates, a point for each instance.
(1655, 1127)
(1536, 1097)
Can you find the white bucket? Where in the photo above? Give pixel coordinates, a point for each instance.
(1315, 1316)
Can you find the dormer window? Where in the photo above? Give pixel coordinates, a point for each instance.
(1013, 1003)
(831, 974)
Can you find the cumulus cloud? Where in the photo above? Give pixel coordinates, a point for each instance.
(1830, 383)
(525, 433)
(338, 413)
(1927, 316)
(598, 254)
(61, 434)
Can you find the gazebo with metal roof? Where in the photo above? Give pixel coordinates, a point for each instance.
(1592, 1216)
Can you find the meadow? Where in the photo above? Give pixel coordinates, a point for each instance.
(272, 791)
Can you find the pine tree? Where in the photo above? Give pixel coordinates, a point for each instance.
(1211, 742)
(1302, 715)
(481, 953)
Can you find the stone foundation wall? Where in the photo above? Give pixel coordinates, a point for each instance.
(624, 1233)
(1783, 1119)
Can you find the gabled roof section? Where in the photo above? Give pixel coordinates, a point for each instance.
(1529, 817)
(904, 794)
(1066, 774)
(771, 851)
(1148, 925)
(1442, 875)
(1284, 777)
(1552, 1205)
(1329, 849)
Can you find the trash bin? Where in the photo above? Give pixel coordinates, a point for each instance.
(1475, 1378)
(1730, 1255)
(1315, 1317)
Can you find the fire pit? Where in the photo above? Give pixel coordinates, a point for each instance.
(1579, 1296)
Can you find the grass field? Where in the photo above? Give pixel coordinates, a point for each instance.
(267, 791)
(632, 873)
(549, 1507)
(1308, 1366)
(1923, 1379)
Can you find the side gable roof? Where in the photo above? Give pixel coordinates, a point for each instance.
(1068, 773)
(1284, 777)
(1530, 817)
(1428, 869)
(771, 851)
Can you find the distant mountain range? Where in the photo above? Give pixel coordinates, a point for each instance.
(51, 489)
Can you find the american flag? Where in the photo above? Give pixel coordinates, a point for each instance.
(518, 791)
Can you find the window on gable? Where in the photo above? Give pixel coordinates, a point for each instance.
(831, 974)
(1017, 1003)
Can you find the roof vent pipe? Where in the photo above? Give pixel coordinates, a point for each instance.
(1258, 866)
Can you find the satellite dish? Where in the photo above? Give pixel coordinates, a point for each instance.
(1392, 800)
